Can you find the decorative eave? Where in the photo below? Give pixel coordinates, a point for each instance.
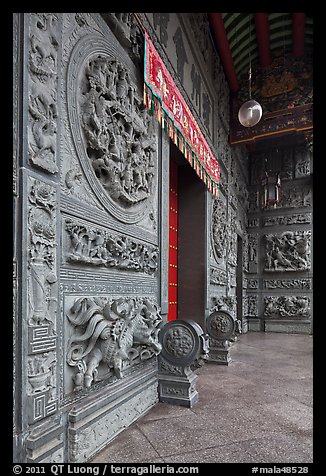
(285, 121)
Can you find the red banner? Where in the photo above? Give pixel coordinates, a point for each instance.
(163, 98)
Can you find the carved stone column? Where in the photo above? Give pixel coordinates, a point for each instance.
(221, 328)
(184, 345)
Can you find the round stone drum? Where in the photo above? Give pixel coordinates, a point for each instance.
(182, 342)
(220, 325)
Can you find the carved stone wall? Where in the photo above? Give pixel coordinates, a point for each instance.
(91, 209)
(280, 276)
(87, 246)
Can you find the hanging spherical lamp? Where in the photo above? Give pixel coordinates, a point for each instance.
(250, 113)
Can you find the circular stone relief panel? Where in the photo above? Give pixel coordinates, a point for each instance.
(112, 131)
(220, 325)
(181, 342)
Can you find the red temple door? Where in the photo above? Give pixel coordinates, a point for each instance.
(173, 243)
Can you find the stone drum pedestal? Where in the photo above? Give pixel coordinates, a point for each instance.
(221, 328)
(184, 345)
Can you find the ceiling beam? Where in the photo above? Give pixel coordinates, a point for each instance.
(298, 31)
(262, 32)
(222, 45)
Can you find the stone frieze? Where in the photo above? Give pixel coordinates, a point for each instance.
(94, 246)
(293, 307)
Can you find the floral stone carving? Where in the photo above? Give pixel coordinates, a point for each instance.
(116, 332)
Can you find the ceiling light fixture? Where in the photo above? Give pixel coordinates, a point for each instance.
(251, 111)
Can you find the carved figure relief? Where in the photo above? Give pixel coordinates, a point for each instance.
(232, 243)
(296, 197)
(251, 306)
(113, 133)
(43, 69)
(252, 249)
(219, 229)
(224, 303)
(116, 332)
(115, 129)
(294, 307)
(288, 251)
(94, 246)
(130, 32)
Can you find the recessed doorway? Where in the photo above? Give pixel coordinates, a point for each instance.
(187, 241)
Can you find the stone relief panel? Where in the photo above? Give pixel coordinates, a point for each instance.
(252, 250)
(288, 251)
(114, 134)
(219, 229)
(240, 195)
(296, 196)
(291, 307)
(43, 90)
(250, 305)
(42, 289)
(253, 222)
(128, 32)
(302, 162)
(109, 336)
(218, 276)
(303, 283)
(92, 245)
(252, 283)
(226, 303)
(232, 243)
(253, 201)
(295, 219)
(73, 181)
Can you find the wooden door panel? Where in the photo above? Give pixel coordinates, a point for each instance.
(173, 243)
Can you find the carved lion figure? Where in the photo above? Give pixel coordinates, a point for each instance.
(120, 333)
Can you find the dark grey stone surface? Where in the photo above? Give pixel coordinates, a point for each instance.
(256, 410)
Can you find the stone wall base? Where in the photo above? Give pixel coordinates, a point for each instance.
(98, 419)
(288, 327)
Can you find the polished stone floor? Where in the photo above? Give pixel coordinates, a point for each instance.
(256, 410)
